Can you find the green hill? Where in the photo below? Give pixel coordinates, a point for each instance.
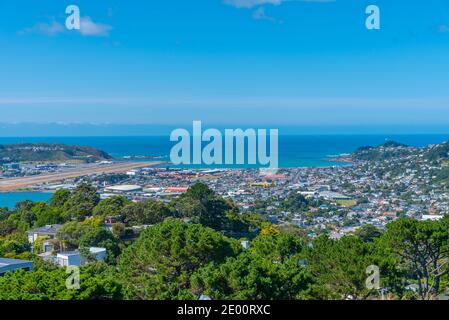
(388, 150)
(43, 152)
(438, 152)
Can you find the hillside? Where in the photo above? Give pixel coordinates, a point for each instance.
(393, 149)
(438, 152)
(41, 152)
(385, 151)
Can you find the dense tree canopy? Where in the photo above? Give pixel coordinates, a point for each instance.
(146, 212)
(423, 248)
(201, 205)
(96, 282)
(81, 202)
(368, 232)
(270, 269)
(110, 207)
(159, 263)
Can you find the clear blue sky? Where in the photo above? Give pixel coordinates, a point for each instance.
(254, 62)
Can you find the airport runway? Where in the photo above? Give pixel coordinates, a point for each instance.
(17, 183)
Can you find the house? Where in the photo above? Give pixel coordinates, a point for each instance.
(50, 245)
(49, 232)
(428, 217)
(245, 244)
(176, 190)
(109, 223)
(303, 262)
(334, 196)
(11, 265)
(335, 235)
(75, 258)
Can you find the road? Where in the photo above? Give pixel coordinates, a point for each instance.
(17, 183)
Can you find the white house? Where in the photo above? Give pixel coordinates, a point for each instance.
(245, 244)
(75, 258)
(427, 217)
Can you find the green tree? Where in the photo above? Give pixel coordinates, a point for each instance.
(100, 237)
(24, 217)
(270, 269)
(59, 198)
(145, 212)
(14, 244)
(46, 214)
(204, 206)
(111, 207)
(249, 277)
(71, 233)
(97, 282)
(277, 247)
(340, 267)
(423, 248)
(118, 229)
(295, 202)
(82, 202)
(6, 227)
(159, 264)
(368, 233)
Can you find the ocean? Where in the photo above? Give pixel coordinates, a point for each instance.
(295, 151)
(10, 199)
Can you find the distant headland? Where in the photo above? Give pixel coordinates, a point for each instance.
(44, 152)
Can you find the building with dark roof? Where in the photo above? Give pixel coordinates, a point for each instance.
(48, 231)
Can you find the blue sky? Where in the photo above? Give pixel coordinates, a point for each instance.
(243, 62)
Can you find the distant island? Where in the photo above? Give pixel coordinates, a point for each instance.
(44, 152)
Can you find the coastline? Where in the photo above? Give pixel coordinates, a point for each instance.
(14, 184)
(298, 152)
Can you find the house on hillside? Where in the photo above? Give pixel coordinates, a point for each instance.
(11, 265)
(75, 258)
(49, 232)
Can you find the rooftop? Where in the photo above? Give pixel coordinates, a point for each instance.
(124, 188)
(93, 250)
(13, 264)
(9, 262)
(48, 229)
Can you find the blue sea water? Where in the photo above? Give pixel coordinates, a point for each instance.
(294, 150)
(10, 199)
